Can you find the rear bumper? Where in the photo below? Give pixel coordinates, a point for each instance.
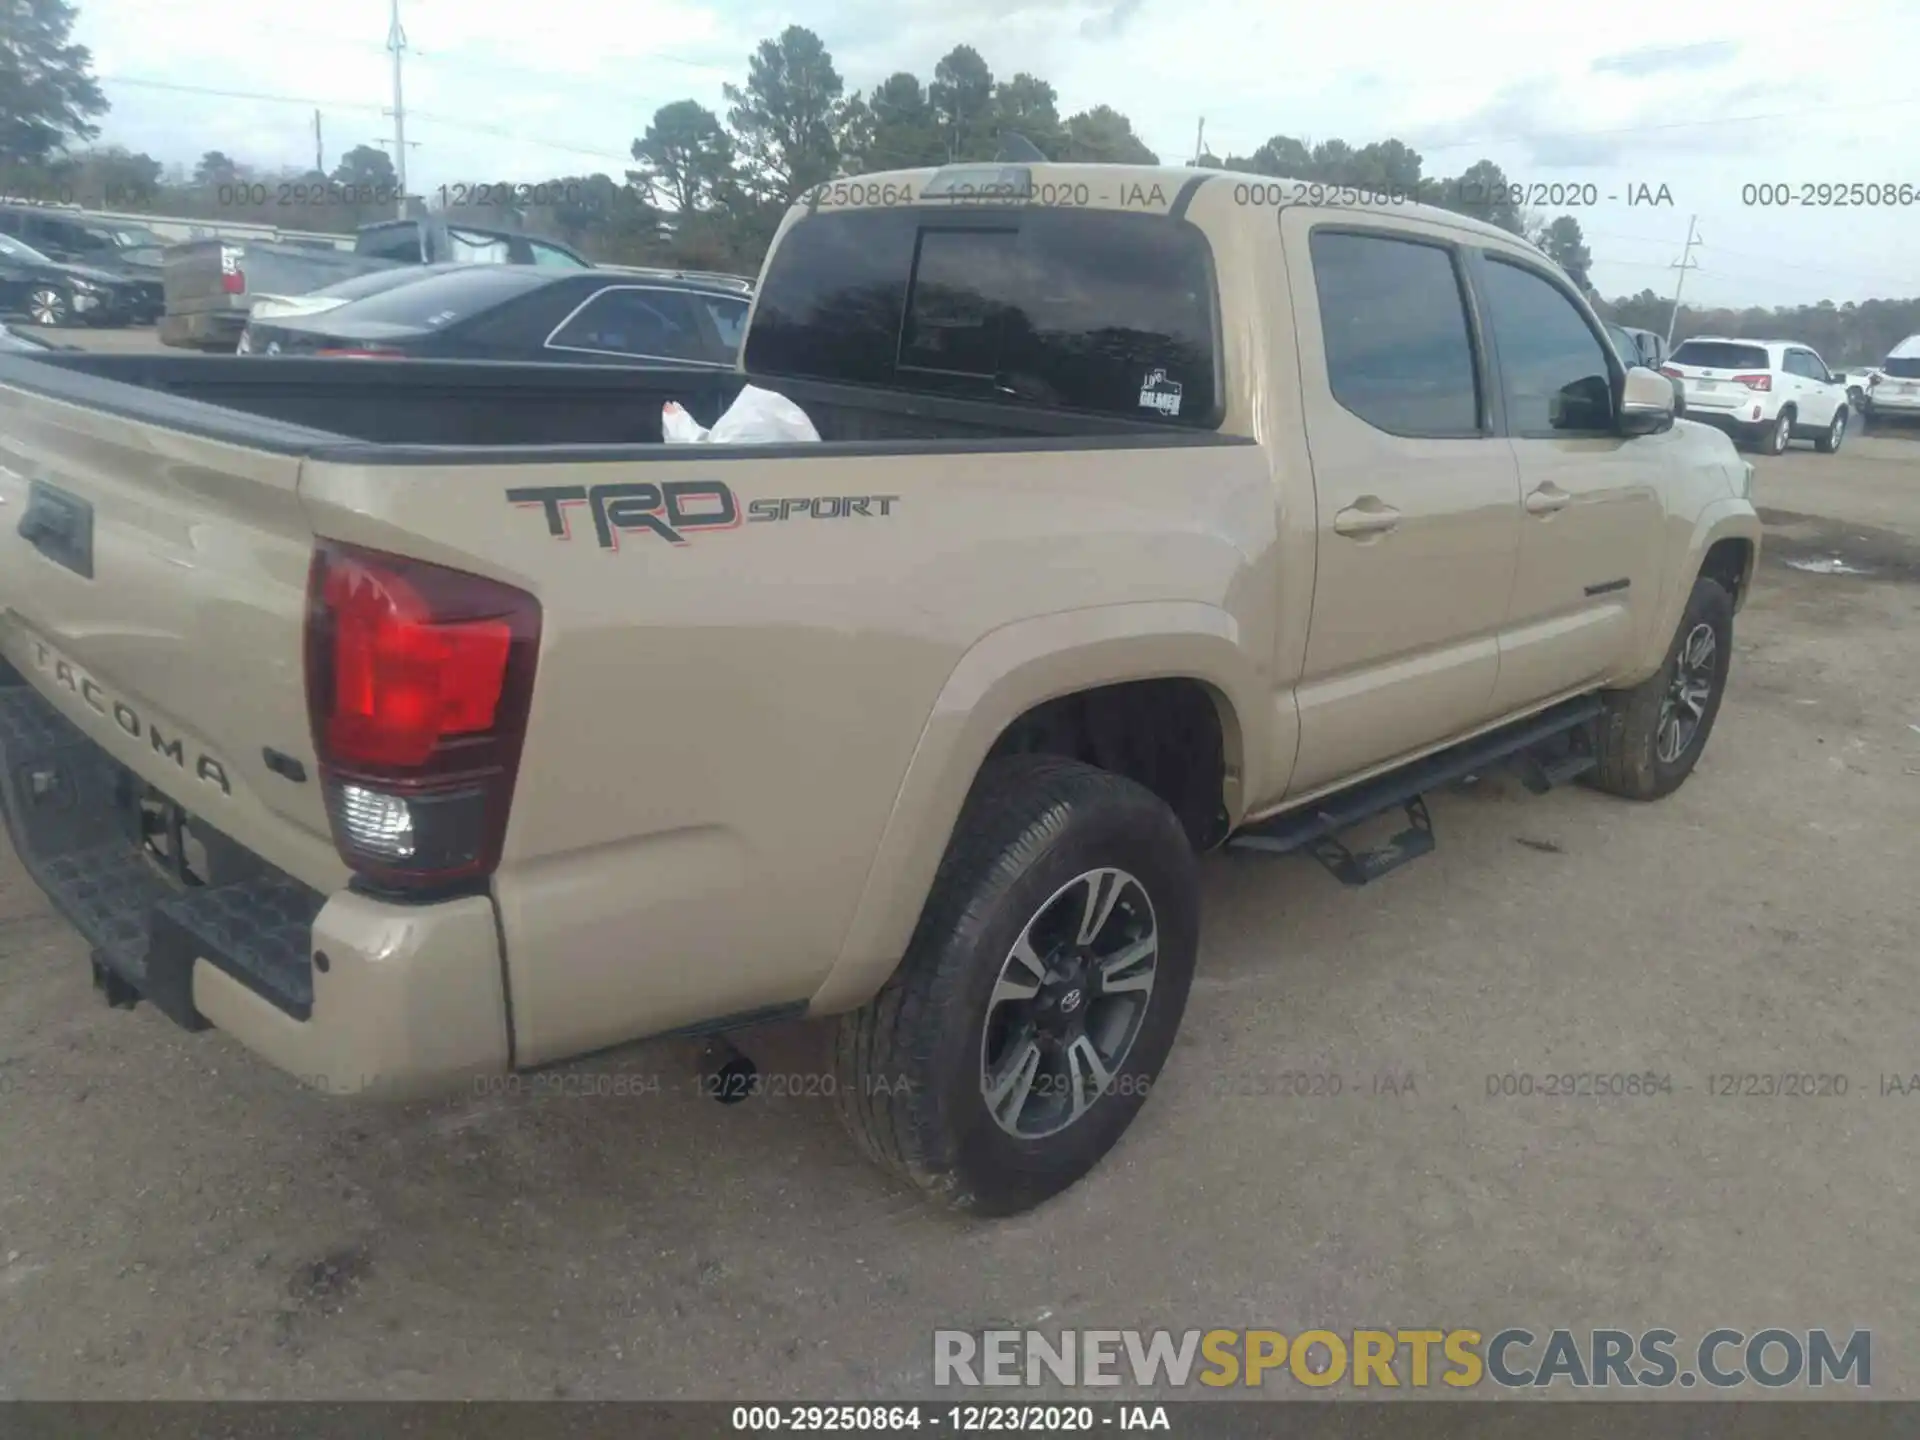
(203, 329)
(1881, 404)
(348, 993)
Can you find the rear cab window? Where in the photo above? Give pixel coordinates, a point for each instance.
(1393, 320)
(1089, 310)
(1720, 355)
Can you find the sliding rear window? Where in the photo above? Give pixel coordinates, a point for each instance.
(1719, 355)
(1069, 309)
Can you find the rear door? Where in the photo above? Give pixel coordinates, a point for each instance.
(1591, 507)
(1819, 394)
(1418, 497)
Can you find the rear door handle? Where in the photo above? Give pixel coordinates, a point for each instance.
(1366, 516)
(1547, 500)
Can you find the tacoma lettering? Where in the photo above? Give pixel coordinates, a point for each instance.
(204, 767)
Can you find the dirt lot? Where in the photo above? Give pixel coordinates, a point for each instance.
(176, 1220)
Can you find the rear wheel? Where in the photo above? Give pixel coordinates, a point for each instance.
(1776, 440)
(1649, 738)
(48, 305)
(1039, 996)
(1836, 433)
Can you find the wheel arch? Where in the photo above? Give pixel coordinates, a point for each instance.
(1001, 698)
(1724, 545)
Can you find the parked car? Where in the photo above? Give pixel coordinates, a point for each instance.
(211, 284)
(1634, 350)
(131, 254)
(1893, 391)
(1135, 529)
(272, 308)
(45, 291)
(1762, 392)
(515, 312)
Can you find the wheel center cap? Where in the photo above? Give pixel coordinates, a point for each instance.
(1071, 1001)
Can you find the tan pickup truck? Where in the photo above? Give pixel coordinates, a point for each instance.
(415, 721)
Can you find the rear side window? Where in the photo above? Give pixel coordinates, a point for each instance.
(1394, 322)
(1071, 309)
(647, 324)
(1721, 355)
(1553, 369)
(729, 320)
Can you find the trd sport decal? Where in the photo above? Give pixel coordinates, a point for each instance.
(680, 507)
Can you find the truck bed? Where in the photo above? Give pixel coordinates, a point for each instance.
(337, 408)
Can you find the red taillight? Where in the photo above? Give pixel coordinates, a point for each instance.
(419, 680)
(1754, 382)
(234, 282)
(1671, 373)
(360, 354)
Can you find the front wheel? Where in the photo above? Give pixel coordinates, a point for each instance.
(1649, 738)
(1836, 433)
(1039, 996)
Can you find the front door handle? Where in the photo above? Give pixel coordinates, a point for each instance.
(1547, 500)
(1366, 516)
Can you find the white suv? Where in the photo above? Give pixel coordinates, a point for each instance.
(1764, 391)
(1895, 391)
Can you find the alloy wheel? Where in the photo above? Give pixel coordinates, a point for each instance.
(1068, 1003)
(1685, 703)
(47, 307)
(1783, 434)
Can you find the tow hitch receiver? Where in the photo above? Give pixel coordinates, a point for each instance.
(1547, 749)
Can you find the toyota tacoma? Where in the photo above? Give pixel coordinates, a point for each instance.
(415, 721)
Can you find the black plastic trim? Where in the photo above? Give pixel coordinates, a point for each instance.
(1293, 829)
(1608, 587)
(1188, 189)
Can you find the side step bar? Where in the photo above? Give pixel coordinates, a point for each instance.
(1525, 743)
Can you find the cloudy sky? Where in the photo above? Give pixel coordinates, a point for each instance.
(1618, 95)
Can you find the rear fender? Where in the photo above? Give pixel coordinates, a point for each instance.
(1003, 676)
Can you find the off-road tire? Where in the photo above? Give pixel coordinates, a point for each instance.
(908, 1064)
(1626, 734)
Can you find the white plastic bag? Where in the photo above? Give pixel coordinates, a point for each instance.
(677, 427)
(756, 417)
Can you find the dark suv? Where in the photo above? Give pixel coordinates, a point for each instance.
(127, 252)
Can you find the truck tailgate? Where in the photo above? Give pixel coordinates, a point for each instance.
(192, 276)
(152, 588)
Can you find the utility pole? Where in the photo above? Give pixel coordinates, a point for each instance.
(319, 151)
(1685, 263)
(397, 43)
(1200, 140)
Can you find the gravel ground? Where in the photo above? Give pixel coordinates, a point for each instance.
(176, 1220)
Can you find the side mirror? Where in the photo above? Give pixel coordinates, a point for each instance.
(1646, 402)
